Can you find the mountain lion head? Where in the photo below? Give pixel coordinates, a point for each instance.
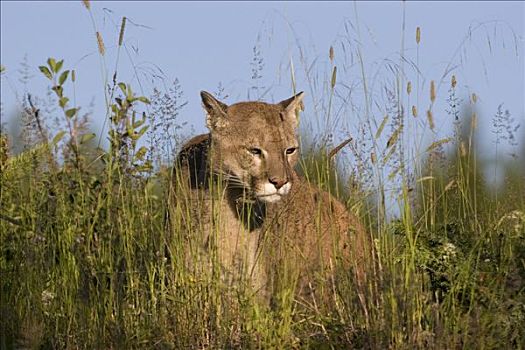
(254, 144)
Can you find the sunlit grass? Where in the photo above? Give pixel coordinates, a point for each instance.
(95, 255)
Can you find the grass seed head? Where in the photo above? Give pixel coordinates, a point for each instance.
(409, 87)
(418, 35)
(86, 4)
(334, 78)
(432, 91)
(414, 111)
(100, 43)
(121, 34)
(453, 81)
(430, 119)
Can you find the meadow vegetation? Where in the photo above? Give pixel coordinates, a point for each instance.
(90, 256)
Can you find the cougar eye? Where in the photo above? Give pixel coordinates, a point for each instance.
(255, 151)
(291, 150)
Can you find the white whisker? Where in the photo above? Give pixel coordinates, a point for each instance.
(232, 180)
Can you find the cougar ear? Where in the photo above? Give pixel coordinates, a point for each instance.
(291, 108)
(216, 115)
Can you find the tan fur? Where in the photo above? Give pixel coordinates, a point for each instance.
(206, 200)
(259, 233)
(311, 235)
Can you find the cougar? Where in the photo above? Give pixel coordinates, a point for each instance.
(242, 193)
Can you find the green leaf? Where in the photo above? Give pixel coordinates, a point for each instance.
(87, 137)
(139, 155)
(380, 130)
(46, 72)
(52, 64)
(438, 143)
(143, 100)
(58, 66)
(143, 130)
(138, 123)
(63, 77)
(122, 87)
(63, 102)
(70, 113)
(129, 129)
(147, 166)
(58, 137)
(58, 89)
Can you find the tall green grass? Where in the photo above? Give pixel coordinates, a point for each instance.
(93, 255)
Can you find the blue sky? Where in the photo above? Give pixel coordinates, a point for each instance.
(206, 43)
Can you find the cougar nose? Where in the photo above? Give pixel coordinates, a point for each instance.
(277, 182)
